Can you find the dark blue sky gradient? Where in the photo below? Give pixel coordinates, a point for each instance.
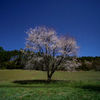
(79, 18)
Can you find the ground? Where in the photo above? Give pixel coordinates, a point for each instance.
(32, 85)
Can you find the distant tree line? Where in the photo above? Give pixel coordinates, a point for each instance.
(11, 59)
(89, 63)
(16, 59)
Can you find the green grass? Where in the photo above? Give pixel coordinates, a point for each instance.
(32, 85)
(10, 75)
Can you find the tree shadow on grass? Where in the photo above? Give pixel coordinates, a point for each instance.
(39, 81)
(58, 83)
(53, 83)
(34, 83)
(91, 88)
(30, 81)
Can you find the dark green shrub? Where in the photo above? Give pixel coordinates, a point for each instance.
(96, 65)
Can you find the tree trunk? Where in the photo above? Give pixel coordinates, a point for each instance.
(49, 79)
(48, 76)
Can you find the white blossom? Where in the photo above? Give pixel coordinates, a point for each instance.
(45, 40)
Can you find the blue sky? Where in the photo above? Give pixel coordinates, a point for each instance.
(79, 18)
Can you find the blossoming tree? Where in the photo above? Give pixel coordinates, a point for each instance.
(53, 49)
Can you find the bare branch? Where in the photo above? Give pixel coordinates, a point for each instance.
(45, 40)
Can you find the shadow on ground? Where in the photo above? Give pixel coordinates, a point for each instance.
(91, 87)
(60, 83)
(39, 81)
(34, 83)
(54, 83)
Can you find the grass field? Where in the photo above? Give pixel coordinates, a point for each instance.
(32, 85)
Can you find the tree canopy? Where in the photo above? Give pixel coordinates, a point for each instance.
(54, 49)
